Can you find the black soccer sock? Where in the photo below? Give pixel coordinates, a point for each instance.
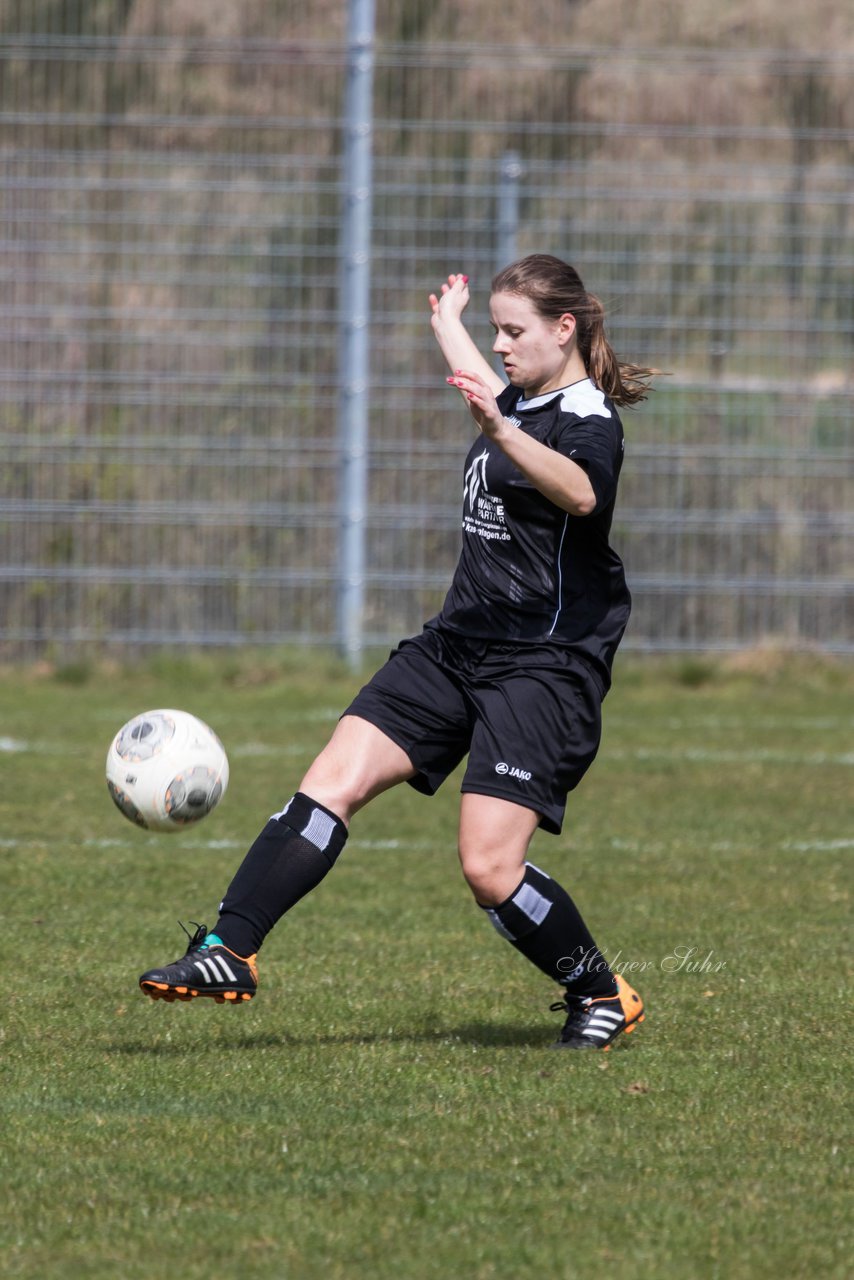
(542, 921)
(290, 857)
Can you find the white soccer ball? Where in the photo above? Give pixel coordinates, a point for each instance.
(166, 769)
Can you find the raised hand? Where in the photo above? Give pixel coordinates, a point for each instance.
(455, 342)
(451, 301)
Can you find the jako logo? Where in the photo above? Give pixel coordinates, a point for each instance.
(522, 774)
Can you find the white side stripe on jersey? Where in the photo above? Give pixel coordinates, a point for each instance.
(559, 574)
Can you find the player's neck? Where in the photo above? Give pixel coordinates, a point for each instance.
(572, 370)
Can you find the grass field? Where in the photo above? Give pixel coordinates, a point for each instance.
(388, 1108)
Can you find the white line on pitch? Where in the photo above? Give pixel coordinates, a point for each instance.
(705, 755)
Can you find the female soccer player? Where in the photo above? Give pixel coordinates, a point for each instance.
(511, 672)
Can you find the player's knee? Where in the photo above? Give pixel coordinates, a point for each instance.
(334, 790)
(357, 763)
(491, 874)
(335, 782)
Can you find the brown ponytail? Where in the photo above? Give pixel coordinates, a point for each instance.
(555, 288)
(624, 383)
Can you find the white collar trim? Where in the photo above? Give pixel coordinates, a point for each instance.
(583, 398)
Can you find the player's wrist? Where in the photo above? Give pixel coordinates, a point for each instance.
(442, 320)
(499, 429)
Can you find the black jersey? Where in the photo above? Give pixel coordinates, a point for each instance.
(529, 571)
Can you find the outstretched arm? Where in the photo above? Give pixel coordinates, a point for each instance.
(455, 341)
(557, 477)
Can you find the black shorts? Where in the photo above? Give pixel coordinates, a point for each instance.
(529, 717)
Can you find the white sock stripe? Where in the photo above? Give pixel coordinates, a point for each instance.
(539, 870)
(532, 903)
(319, 829)
(499, 925)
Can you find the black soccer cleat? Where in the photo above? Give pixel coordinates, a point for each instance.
(595, 1022)
(204, 970)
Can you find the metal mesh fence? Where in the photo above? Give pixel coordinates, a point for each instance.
(170, 206)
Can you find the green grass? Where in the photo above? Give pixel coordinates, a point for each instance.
(387, 1108)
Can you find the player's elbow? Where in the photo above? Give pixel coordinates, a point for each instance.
(579, 494)
(584, 504)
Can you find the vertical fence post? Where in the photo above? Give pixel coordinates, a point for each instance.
(508, 209)
(354, 326)
(507, 217)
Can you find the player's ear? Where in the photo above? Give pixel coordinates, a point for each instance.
(566, 327)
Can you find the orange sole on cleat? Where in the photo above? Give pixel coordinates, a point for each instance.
(159, 991)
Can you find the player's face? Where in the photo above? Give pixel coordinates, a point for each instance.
(533, 350)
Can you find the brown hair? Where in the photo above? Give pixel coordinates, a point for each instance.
(555, 288)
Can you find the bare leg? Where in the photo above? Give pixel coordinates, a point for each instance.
(494, 839)
(298, 847)
(525, 905)
(358, 763)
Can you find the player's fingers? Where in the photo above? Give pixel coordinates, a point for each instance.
(465, 383)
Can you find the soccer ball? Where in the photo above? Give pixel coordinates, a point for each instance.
(166, 769)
